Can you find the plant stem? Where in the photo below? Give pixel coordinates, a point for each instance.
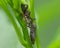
(37, 40)
(17, 28)
(14, 23)
(33, 16)
(32, 8)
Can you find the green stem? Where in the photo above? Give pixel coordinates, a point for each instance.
(17, 28)
(33, 16)
(13, 21)
(32, 8)
(37, 40)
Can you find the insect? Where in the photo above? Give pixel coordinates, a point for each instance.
(33, 33)
(26, 13)
(24, 7)
(29, 21)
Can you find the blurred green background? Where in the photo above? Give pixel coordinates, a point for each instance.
(48, 19)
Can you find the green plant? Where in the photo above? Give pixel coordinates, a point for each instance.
(44, 14)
